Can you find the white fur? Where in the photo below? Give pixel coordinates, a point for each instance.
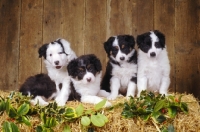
(153, 72)
(122, 74)
(90, 91)
(59, 75)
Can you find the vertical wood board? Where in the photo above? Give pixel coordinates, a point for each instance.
(30, 39)
(9, 40)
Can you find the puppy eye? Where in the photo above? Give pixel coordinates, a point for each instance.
(50, 55)
(157, 44)
(123, 46)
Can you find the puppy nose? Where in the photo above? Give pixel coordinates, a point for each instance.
(88, 79)
(152, 54)
(122, 58)
(56, 62)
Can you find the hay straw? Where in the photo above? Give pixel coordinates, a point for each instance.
(183, 122)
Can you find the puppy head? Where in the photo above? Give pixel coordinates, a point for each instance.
(57, 53)
(85, 68)
(152, 43)
(120, 48)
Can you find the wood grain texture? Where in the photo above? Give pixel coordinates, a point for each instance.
(164, 21)
(9, 40)
(95, 29)
(145, 16)
(73, 13)
(121, 15)
(30, 39)
(187, 46)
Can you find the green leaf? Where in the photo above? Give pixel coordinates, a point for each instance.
(67, 129)
(43, 117)
(26, 121)
(97, 121)
(39, 129)
(85, 121)
(79, 110)
(172, 111)
(12, 112)
(10, 127)
(184, 107)
(50, 122)
(145, 117)
(100, 104)
(103, 117)
(23, 109)
(2, 106)
(159, 105)
(70, 112)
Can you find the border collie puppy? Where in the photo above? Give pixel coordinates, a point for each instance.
(85, 72)
(41, 87)
(121, 71)
(153, 63)
(57, 55)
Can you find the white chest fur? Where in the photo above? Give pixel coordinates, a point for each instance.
(124, 73)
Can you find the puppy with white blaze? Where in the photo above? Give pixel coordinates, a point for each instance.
(153, 63)
(121, 71)
(85, 72)
(57, 55)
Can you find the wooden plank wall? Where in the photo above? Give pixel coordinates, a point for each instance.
(25, 25)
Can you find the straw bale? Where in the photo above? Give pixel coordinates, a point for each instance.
(182, 122)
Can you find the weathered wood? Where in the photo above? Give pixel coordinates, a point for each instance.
(9, 40)
(187, 46)
(144, 16)
(73, 14)
(164, 21)
(30, 39)
(95, 29)
(121, 15)
(52, 22)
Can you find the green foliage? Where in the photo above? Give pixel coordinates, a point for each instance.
(159, 109)
(18, 108)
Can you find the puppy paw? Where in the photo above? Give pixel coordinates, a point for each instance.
(60, 102)
(111, 97)
(108, 104)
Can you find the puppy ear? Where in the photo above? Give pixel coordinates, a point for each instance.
(161, 37)
(66, 45)
(71, 67)
(108, 45)
(42, 50)
(140, 39)
(130, 39)
(96, 62)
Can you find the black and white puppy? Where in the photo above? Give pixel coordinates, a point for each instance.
(121, 70)
(43, 89)
(57, 55)
(153, 63)
(85, 72)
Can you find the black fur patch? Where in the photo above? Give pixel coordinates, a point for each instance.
(77, 67)
(38, 85)
(144, 41)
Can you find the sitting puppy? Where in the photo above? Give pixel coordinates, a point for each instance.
(43, 89)
(120, 75)
(153, 63)
(85, 72)
(57, 55)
